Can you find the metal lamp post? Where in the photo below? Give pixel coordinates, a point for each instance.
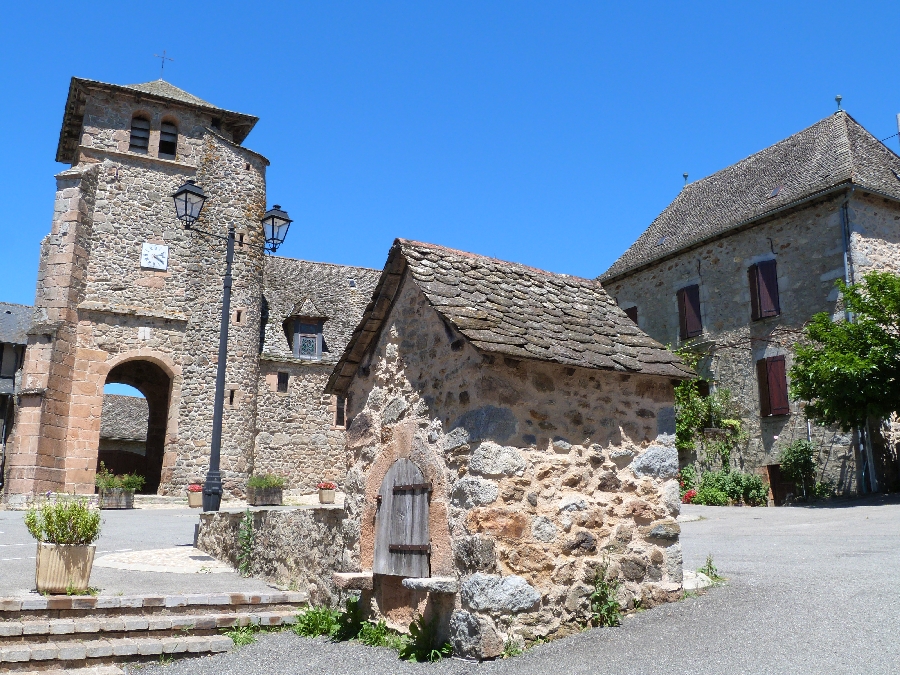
(189, 200)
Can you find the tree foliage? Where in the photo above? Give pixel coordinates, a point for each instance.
(850, 370)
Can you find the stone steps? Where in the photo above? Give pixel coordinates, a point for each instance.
(90, 670)
(59, 633)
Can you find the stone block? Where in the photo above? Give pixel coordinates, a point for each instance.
(359, 581)
(136, 623)
(15, 653)
(505, 523)
(87, 625)
(656, 461)
(71, 651)
(159, 622)
(474, 636)
(432, 584)
(149, 647)
(491, 459)
(543, 529)
(113, 624)
(220, 643)
(124, 647)
(471, 491)
(98, 649)
(10, 628)
(62, 627)
(475, 553)
(44, 651)
(174, 645)
(197, 644)
(487, 423)
(493, 593)
(35, 627)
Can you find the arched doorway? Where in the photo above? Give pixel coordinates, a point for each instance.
(123, 451)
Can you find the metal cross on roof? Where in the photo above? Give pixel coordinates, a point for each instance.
(162, 66)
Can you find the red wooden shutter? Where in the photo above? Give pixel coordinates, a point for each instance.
(778, 389)
(768, 289)
(762, 378)
(682, 315)
(753, 280)
(631, 313)
(692, 321)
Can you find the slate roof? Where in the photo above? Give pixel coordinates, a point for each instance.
(511, 309)
(299, 287)
(70, 134)
(15, 320)
(831, 155)
(124, 418)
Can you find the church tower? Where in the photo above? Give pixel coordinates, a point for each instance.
(126, 295)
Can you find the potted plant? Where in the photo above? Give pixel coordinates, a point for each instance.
(117, 492)
(195, 495)
(265, 490)
(66, 530)
(326, 492)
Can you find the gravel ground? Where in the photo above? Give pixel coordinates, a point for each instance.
(128, 530)
(809, 590)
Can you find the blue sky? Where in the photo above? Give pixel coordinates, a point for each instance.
(546, 133)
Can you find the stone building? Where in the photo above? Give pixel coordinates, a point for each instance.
(126, 295)
(123, 434)
(739, 262)
(14, 323)
(511, 436)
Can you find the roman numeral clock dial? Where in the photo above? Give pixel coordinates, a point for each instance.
(155, 256)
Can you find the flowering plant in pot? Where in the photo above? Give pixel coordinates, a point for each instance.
(66, 530)
(195, 495)
(326, 492)
(117, 492)
(265, 490)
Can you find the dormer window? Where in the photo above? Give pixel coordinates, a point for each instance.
(140, 134)
(307, 342)
(168, 140)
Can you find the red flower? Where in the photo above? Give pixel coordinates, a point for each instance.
(195, 487)
(689, 496)
(327, 485)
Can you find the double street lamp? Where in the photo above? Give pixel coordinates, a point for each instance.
(189, 201)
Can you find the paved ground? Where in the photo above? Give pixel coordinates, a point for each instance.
(124, 535)
(810, 590)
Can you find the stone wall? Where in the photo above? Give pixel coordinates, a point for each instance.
(542, 475)
(295, 548)
(808, 247)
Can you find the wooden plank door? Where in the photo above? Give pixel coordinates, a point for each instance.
(402, 546)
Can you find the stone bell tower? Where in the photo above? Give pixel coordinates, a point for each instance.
(126, 295)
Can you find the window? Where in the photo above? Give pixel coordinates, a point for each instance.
(283, 382)
(631, 313)
(340, 412)
(689, 321)
(763, 290)
(140, 134)
(773, 389)
(307, 343)
(168, 140)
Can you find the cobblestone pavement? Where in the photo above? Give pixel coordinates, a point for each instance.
(134, 555)
(809, 590)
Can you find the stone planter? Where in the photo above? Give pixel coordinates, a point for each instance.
(195, 500)
(61, 567)
(116, 498)
(326, 496)
(264, 496)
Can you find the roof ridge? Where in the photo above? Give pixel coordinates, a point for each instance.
(317, 262)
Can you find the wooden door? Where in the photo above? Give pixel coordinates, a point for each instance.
(402, 545)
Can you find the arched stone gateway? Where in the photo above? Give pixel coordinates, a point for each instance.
(156, 386)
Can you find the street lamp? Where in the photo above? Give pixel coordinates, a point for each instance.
(189, 200)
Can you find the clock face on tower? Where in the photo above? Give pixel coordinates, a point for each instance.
(155, 256)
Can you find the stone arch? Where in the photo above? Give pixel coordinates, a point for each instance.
(155, 384)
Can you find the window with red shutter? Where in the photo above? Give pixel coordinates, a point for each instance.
(763, 279)
(690, 324)
(631, 313)
(773, 389)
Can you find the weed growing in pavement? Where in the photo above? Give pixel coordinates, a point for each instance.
(245, 544)
(241, 636)
(710, 570)
(512, 648)
(90, 590)
(422, 644)
(317, 621)
(604, 605)
(165, 659)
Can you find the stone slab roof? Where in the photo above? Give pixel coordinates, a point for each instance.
(831, 155)
(514, 310)
(319, 289)
(239, 124)
(124, 418)
(15, 320)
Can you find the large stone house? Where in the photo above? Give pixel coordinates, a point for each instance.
(737, 264)
(512, 434)
(14, 323)
(104, 313)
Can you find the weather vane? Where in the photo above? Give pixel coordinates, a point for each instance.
(162, 66)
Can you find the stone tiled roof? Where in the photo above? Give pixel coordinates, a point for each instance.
(298, 287)
(511, 309)
(124, 418)
(832, 154)
(239, 124)
(15, 320)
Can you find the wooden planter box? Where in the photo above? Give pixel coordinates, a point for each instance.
(117, 498)
(264, 496)
(326, 496)
(195, 500)
(60, 567)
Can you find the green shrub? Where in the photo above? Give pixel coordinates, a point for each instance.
(798, 462)
(422, 644)
(717, 488)
(317, 621)
(687, 479)
(824, 490)
(604, 605)
(106, 480)
(710, 496)
(64, 521)
(265, 481)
